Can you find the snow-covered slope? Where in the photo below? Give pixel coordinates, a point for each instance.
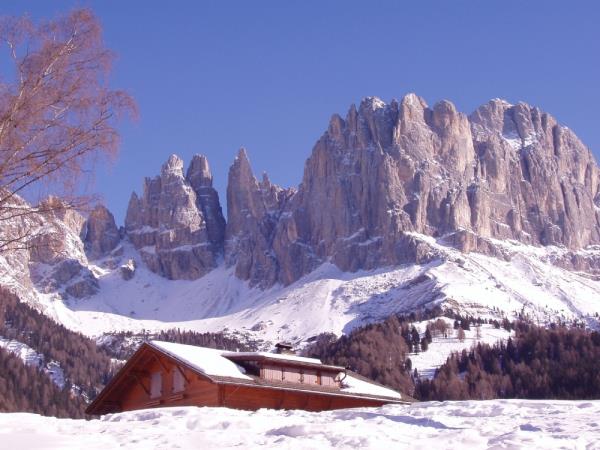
(442, 346)
(32, 358)
(494, 424)
(331, 300)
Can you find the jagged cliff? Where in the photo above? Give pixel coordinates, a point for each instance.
(177, 224)
(402, 188)
(504, 172)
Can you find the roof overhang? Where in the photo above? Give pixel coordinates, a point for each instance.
(278, 361)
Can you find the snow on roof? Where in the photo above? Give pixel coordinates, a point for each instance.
(353, 385)
(214, 362)
(206, 360)
(281, 356)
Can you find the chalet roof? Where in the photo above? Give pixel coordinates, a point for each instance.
(219, 366)
(205, 360)
(372, 391)
(284, 345)
(279, 358)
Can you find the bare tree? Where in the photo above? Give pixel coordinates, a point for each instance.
(57, 112)
(461, 334)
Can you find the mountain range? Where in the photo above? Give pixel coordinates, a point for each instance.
(401, 206)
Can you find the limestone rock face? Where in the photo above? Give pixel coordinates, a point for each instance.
(102, 234)
(536, 179)
(68, 277)
(380, 172)
(63, 230)
(177, 224)
(207, 199)
(375, 178)
(253, 211)
(388, 170)
(54, 208)
(127, 270)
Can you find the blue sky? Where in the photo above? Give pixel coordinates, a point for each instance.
(210, 77)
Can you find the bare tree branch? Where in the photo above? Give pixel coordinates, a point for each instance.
(59, 115)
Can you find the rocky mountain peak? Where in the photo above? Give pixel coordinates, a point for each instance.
(198, 173)
(243, 193)
(241, 165)
(412, 107)
(253, 211)
(200, 179)
(173, 167)
(102, 235)
(388, 169)
(380, 173)
(177, 224)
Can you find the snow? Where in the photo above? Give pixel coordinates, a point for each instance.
(281, 356)
(356, 386)
(513, 139)
(329, 300)
(326, 300)
(206, 360)
(144, 229)
(28, 355)
(494, 424)
(375, 103)
(411, 99)
(441, 347)
(502, 101)
(215, 362)
(32, 358)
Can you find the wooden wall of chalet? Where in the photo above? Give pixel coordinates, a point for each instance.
(252, 398)
(197, 391)
(298, 375)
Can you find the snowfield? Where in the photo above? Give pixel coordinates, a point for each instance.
(32, 358)
(441, 347)
(329, 300)
(494, 424)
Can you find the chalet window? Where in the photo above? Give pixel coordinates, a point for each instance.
(178, 381)
(156, 385)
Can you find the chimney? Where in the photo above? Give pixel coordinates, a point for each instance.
(284, 348)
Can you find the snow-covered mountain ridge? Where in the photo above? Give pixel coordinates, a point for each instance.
(401, 207)
(527, 282)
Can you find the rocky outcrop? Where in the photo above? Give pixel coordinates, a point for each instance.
(207, 199)
(56, 209)
(376, 178)
(56, 231)
(505, 172)
(177, 224)
(534, 178)
(102, 235)
(253, 211)
(127, 270)
(68, 277)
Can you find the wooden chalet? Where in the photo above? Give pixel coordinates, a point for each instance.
(168, 374)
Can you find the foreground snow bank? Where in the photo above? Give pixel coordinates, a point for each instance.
(450, 425)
